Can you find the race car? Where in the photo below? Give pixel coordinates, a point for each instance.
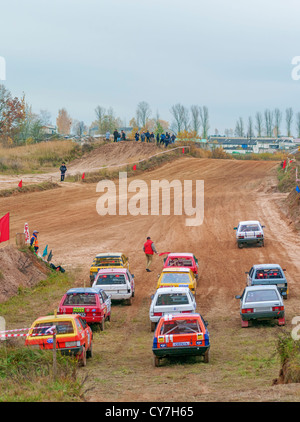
(181, 335)
(118, 283)
(249, 233)
(268, 274)
(170, 300)
(177, 277)
(261, 303)
(73, 335)
(186, 260)
(93, 305)
(108, 260)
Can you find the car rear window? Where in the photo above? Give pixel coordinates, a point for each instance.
(107, 262)
(261, 296)
(250, 228)
(266, 274)
(80, 299)
(175, 278)
(179, 262)
(172, 299)
(62, 327)
(189, 326)
(110, 279)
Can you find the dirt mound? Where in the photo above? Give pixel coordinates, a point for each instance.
(18, 269)
(113, 154)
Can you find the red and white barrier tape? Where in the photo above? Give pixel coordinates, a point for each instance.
(49, 331)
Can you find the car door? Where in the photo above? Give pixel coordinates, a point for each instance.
(249, 277)
(106, 301)
(86, 331)
(130, 281)
(192, 300)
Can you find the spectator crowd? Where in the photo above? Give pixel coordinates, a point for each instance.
(145, 136)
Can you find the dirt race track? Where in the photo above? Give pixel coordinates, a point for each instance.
(122, 368)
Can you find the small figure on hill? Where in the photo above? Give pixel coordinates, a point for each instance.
(116, 135)
(34, 241)
(137, 136)
(107, 135)
(123, 135)
(63, 170)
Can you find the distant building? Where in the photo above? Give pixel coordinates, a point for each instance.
(49, 130)
(255, 145)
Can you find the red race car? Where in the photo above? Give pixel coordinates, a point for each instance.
(73, 335)
(187, 260)
(181, 335)
(93, 305)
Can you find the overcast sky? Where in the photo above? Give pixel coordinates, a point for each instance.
(232, 56)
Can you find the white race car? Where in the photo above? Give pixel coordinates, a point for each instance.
(249, 233)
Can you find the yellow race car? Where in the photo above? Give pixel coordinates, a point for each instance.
(178, 277)
(108, 260)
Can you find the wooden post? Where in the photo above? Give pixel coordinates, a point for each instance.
(54, 354)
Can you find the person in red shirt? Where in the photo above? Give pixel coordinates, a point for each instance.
(149, 250)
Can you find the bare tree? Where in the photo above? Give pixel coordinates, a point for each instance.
(289, 119)
(196, 122)
(259, 124)
(239, 128)
(63, 122)
(178, 113)
(268, 122)
(143, 113)
(277, 121)
(204, 118)
(298, 124)
(250, 132)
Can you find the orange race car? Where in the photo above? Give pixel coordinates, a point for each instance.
(181, 335)
(73, 335)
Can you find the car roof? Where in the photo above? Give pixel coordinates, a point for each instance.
(168, 317)
(249, 222)
(113, 270)
(172, 290)
(61, 317)
(176, 270)
(110, 254)
(82, 290)
(262, 287)
(174, 254)
(261, 266)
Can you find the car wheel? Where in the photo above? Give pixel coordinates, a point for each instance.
(82, 357)
(102, 324)
(89, 352)
(206, 356)
(128, 301)
(156, 361)
(108, 318)
(240, 245)
(152, 325)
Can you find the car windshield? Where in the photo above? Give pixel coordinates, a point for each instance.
(261, 296)
(175, 278)
(250, 228)
(180, 262)
(180, 327)
(267, 274)
(172, 299)
(108, 261)
(62, 327)
(80, 299)
(104, 279)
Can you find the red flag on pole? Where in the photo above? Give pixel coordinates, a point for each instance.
(284, 164)
(20, 184)
(83, 176)
(134, 167)
(182, 150)
(4, 228)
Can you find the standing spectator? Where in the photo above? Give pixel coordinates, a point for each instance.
(107, 135)
(151, 137)
(116, 135)
(143, 137)
(157, 138)
(167, 139)
(63, 170)
(137, 136)
(123, 135)
(34, 241)
(173, 137)
(149, 250)
(162, 138)
(147, 134)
